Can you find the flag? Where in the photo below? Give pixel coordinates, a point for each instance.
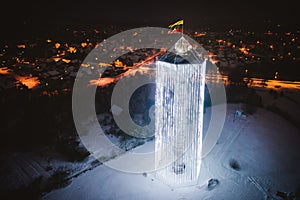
(176, 27)
(176, 24)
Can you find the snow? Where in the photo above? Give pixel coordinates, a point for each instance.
(21, 169)
(287, 104)
(264, 145)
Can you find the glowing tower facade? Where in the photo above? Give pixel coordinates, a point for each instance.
(179, 100)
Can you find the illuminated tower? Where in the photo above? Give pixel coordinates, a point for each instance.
(179, 100)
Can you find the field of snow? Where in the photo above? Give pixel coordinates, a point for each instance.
(284, 102)
(256, 157)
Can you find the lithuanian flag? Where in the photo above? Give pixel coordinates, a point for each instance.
(176, 27)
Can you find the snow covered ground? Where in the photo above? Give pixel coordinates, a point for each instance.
(286, 104)
(20, 170)
(256, 157)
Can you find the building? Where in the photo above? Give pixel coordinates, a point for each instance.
(179, 100)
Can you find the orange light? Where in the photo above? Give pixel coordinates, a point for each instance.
(83, 44)
(30, 82)
(85, 65)
(56, 59)
(244, 50)
(102, 64)
(21, 46)
(269, 33)
(199, 34)
(72, 50)
(5, 70)
(118, 63)
(57, 45)
(103, 81)
(66, 60)
(212, 57)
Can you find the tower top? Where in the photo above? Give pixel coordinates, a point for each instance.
(182, 46)
(181, 52)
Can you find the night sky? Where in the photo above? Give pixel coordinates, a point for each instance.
(151, 12)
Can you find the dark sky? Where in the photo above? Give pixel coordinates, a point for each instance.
(148, 12)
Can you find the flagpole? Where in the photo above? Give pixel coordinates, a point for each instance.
(182, 29)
